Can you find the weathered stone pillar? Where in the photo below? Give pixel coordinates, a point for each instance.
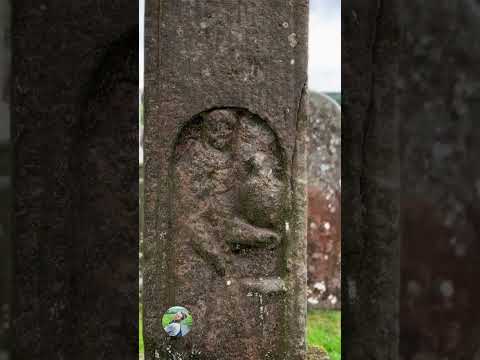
(225, 175)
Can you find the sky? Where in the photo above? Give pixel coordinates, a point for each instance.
(325, 40)
(325, 46)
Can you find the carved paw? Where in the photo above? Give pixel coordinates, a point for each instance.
(241, 235)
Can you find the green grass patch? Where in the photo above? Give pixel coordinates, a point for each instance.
(323, 329)
(140, 331)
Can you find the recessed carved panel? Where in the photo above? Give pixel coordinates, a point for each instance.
(229, 184)
(229, 197)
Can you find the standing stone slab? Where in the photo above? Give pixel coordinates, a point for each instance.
(225, 175)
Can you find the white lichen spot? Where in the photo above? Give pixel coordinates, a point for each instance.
(237, 35)
(333, 299)
(262, 313)
(320, 286)
(312, 300)
(206, 72)
(229, 282)
(292, 39)
(414, 288)
(324, 167)
(302, 181)
(287, 226)
(446, 288)
(203, 25)
(352, 290)
(292, 62)
(285, 25)
(460, 250)
(477, 187)
(326, 225)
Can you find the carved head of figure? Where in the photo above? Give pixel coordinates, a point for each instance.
(218, 128)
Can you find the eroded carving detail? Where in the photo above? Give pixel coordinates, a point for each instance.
(229, 201)
(230, 193)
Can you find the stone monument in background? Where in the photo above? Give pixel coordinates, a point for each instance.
(324, 202)
(225, 176)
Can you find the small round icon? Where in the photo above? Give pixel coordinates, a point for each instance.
(177, 321)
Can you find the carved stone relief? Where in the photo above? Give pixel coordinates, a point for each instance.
(229, 200)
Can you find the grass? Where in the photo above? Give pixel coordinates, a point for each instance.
(140, 331)
(323, 329)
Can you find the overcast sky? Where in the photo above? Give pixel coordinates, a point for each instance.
(324, 68)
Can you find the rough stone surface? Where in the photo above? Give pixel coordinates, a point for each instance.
(75, 115)
(225, 120)
(324, 211)
(316, 353)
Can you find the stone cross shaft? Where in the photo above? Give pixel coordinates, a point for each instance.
(225, 118)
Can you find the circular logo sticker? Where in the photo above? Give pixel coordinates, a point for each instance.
(177, 321)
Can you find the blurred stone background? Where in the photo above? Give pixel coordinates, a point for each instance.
(439, 93)
(324, 195)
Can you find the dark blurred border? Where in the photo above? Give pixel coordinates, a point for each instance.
(6, 254)
(75, 138)
(412, 65)
(438, 110)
